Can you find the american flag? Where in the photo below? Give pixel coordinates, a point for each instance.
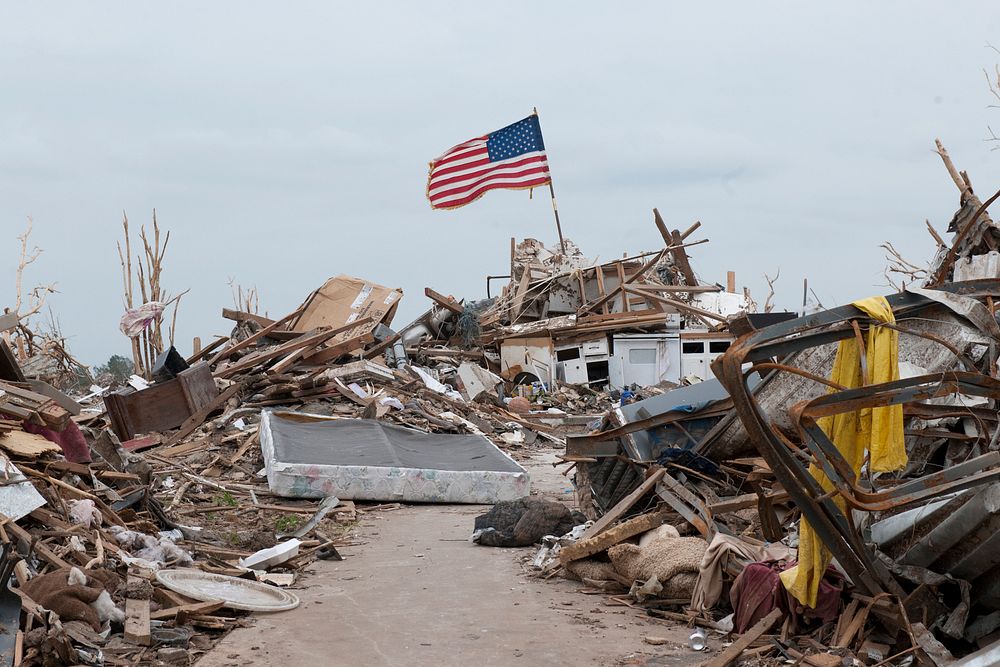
(511, 158)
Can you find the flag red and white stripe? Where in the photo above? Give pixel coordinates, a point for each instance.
(510, 158)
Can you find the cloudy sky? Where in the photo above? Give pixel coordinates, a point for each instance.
(283, 143)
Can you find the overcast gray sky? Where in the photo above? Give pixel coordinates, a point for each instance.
(283, 143)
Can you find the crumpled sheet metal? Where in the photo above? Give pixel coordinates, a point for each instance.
(831, 524)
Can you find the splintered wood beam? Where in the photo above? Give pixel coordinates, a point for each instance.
(626, 307)
(680, 305)
(681, 258)
(583, 548)
(662, 227)
(445, 302)
(599, 272)
(207, 350)
(249, 340)
(690, 230)
(586, 308)
(733, 651)
(137, 628)
(624, 505)
(304, 340)
(243, 316)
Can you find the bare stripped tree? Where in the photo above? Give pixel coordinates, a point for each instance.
(769, 301)
(26, 303)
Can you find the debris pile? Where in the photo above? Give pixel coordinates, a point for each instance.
(838, 479)
(831, 495)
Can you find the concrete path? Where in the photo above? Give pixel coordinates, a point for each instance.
(417, 592)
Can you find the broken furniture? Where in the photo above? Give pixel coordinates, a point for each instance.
(161, 406)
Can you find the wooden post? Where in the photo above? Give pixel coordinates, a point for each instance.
(731, 282)
(196, 346)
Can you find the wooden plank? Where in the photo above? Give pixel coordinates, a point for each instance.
(243, 316)
(205, 351)
(691, 289)
(690, 230)
(624, 505)
(184, 448)
(680, 305)
(198, 418)
(626, 307)
(743, 502)
(28, 445)
(137, 616)
(681, 258)
(339, 349)
(733, 651)
(40, 549)
(445, 302)
(193, 608)
(583, 548)
(621, 287)
(599, 273)
(293, 357)
(249, 340)
(303, 340)
(61, 399)
(662, 227)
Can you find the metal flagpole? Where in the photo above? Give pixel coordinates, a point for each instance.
(552, 192)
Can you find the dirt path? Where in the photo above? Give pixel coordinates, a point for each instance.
(418, 592)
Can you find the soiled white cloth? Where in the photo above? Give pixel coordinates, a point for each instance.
(708, 587)
(135, 320)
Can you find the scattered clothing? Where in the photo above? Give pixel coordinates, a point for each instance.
(70, 440)
(758, 589)
(708, 588)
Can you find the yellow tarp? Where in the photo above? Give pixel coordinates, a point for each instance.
(878, 430)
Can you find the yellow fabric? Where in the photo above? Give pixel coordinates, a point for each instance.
(878, 430)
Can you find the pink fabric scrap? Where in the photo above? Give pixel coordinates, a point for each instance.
(70, 440)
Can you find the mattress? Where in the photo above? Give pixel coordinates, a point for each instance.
(311, 456)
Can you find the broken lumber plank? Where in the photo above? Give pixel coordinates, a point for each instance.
(681, 258)
(249, 340)
(662, 227)
(583, 548)
(688, 505)
(198, 418)
(691, 230)
(445, 302)
(192, 608)
(207, 350)
(624, 505)
(744, 501)
(733, 651)
(40, 549)
(243, 316)
(137, 621)
(338, 349)
(300, 351)
(679, 305)
(586, 308)
(61, 399)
